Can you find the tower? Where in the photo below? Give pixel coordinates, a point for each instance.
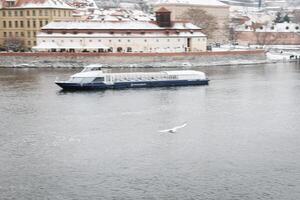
(163, 17)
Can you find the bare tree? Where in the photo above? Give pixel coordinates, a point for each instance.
(14, 44)
(233, 35)
(266, 38)
(202, 19)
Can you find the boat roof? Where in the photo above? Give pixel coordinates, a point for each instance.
(183, 72)
(94, 66)
(98, 73)
(88, 74)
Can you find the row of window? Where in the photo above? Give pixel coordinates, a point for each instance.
(29, 43)
(272, 27)
(19, 34)
(21, 13)
(111, 49)
(22, 24)
(119, 40)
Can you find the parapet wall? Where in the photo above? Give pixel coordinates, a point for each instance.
(45, 59)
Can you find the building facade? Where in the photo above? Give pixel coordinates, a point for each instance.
(217, 9)
(269, 34)
(158, 36)
(22, 19)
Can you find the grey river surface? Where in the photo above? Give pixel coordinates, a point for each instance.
(242, 140)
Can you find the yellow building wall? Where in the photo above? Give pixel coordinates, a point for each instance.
(26, 23)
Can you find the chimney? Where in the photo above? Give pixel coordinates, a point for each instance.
(163, 17)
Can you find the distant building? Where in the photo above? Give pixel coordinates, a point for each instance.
(22, 19)
(268, 34)
(264, 4)
(213, 7)
(162, 35)
(244, 3)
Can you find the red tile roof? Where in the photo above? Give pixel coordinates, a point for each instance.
(163, 9)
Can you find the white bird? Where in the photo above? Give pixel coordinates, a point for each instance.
(174, 129)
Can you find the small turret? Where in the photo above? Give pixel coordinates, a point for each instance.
(163, 17)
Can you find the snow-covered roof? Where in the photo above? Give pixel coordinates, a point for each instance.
(272, 27)
(42, 4)
(193, 2)
(117, 25)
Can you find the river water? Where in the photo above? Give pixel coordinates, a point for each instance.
(242, 139)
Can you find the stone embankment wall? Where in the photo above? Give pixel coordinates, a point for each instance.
(44, 59)
(267, 38)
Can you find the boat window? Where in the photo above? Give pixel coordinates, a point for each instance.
(96, 69)
(98, 79)
(76, 80)
(87, 69)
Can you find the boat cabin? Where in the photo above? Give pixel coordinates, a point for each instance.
(94, 67)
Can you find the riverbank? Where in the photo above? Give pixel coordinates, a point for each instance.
(73, 60)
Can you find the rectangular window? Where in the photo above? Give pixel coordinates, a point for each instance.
(16, 24)
(9, 13)
(28, 24)
(4, 24)
(54, 12)
(40, 12)
(17, 34)
(41, 23)
(22, 34)
(28, 34)
(29, 42)
(5, 34)
(21, 13)
(59, 13)
(46, 22)
(34, 33)
(28, 13)
(33, 13)
(10, 34)
(34, 42)
(9, 24)
(65, 14)
(3, 13)
(46, 12)
(33, 24)
(21, 24)
(16, 13)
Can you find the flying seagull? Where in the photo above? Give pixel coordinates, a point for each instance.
(174, 129)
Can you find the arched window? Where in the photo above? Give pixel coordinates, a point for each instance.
(119, 49)
(129, 49)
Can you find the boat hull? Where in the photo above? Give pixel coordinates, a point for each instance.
(125, 85)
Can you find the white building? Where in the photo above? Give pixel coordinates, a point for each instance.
(162, 35)
(270, 27)
(214, 8)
